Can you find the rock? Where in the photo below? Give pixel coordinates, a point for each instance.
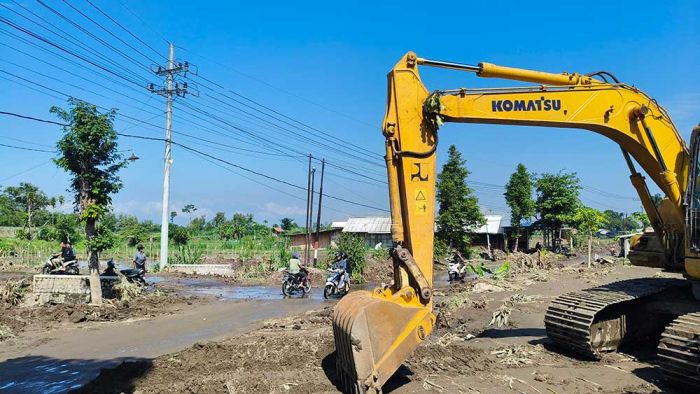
(78, 317)
(483, 287)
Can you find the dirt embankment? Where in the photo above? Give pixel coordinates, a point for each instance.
(468, 352)
(17, 317)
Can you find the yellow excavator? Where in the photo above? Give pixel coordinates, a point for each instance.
(375, 332)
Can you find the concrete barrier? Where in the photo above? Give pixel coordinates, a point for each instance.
(202, 269)
(62, 288)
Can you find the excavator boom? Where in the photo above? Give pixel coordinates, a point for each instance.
(376, 331)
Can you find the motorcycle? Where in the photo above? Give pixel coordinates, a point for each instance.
(56, 266)
(333, 284)
(457, 271)
(133, 275)
(293, 283)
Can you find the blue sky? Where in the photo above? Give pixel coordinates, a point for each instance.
(325, 64)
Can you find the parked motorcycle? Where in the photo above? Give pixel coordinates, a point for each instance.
(293, 284)
(56, 266)
(133, 275)
(333, 284)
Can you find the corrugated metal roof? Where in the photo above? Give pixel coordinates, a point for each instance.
(338, 224)
(371, 225)
(493, 225)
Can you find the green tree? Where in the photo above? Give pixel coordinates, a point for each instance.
(173, 215)
(197, 224)
(459, 208)
(656, 199)
(10, 213)
(642, 218)
(288, 224)
(131, 230)
(219, 219)
(557, 199)
(588, 220)
(242, 224)
(226, 231)
(519, 199)
(178, 234)
(189, 209)
(88, 151)
(30, 199)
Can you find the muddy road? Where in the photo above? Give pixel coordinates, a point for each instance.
(69, 357)
(465, 354)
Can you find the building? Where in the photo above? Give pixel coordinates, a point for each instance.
(374, 230)
(491, 235)
(325, 238)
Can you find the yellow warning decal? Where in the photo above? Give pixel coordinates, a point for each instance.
(421, 202)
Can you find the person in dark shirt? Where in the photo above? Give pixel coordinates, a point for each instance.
(67, 253)
(140, 258)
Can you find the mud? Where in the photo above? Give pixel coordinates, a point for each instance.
(465, 354)
(45, 318)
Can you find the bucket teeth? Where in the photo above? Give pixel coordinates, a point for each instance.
(373, 336)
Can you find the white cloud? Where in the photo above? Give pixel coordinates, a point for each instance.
(283, 210)
(141, 209)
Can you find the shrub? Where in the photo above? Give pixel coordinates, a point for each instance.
(440, 249)
(354, 246)
(179, 235)
(379, 254)
(23, 234)
(189, 254)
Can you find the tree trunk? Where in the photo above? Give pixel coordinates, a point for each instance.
(93, 264)
(590, 242)
(515, 247)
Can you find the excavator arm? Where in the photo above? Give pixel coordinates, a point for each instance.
(376, 331)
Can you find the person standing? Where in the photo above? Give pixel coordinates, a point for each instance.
(140, 258)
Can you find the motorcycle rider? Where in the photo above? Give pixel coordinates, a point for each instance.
(140, 258)
(67, 253)
(295, 267)
(111, 269)
(341, 266)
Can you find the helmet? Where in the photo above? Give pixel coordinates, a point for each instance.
(139, 247)
(296, 255)
(110, 263)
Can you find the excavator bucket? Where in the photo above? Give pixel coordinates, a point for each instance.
(374, 333)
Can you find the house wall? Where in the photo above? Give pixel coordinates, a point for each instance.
(325, 238)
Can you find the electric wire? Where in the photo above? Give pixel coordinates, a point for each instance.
(186, 147)
(61, 33)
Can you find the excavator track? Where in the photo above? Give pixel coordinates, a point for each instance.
(679, 352)
(595, 320)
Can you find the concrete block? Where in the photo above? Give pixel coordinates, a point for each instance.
(202, 269)
(65, 288)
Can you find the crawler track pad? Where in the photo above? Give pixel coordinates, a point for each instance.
(375, 332)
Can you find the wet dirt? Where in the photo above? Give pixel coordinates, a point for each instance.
(61, 347)
(465, 354)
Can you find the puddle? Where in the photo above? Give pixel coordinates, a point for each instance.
(53, 377)
(211, 287)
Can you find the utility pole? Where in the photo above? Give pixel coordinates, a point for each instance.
(171, 90)
(318, 218)
(311, 215)
(306, 222)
